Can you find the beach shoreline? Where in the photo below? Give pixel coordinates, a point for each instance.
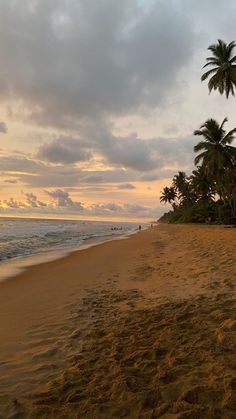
(15, 266)
(143, 327)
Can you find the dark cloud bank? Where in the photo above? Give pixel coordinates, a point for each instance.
(79, 59)
(75, 65)
(133, 160)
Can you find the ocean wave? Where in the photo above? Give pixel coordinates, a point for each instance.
(25, 237)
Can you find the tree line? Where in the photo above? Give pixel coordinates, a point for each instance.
(209, 193)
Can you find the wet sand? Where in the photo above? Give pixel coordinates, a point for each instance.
(138, 328)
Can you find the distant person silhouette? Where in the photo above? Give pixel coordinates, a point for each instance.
(139, 227)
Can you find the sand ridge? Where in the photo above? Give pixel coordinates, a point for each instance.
(153, 337)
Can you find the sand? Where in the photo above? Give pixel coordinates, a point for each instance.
(137, 328)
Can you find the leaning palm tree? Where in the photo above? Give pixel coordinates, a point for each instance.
(216, 154)
(223, 75)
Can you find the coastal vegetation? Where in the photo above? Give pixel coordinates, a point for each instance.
(209, 193)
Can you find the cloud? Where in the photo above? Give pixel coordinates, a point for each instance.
(63, 204)
(12, 203)
(10, 181)
(131, 158)
(33, 201)
(120, 210)
(127, 186)
(69, 60)
(20, 164)
(110, 207)
(63, 150)
(62, 199)
(136, 209)
(96, 71)
(128, 152)
(142, 155)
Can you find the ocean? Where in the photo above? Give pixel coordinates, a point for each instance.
(25, 241)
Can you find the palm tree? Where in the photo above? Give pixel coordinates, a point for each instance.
(168, 195)
(229, 189)
(216, 153)
(182, 185)
(180, 181)
(224, 71)
(201, 184)
(205, 192)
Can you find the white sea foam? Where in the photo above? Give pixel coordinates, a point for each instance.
(28, 241)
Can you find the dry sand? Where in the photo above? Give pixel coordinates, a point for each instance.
(136, 328)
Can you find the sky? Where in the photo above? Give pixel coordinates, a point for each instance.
(99, 100)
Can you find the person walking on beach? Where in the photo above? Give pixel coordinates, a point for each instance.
(139, 227)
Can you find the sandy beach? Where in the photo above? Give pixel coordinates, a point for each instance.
(140, 328)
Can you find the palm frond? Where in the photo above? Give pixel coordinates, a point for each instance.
(232, 74)
(202, 133)
(214, 82)
(229, 88)
(199, 158)
(229, 137)
(223, 122)
(208, 73)
(231, 46)
(214, 60)
(211, 63)
(213, 48)
(202, 145)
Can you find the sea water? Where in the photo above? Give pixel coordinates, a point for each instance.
(24, 241)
